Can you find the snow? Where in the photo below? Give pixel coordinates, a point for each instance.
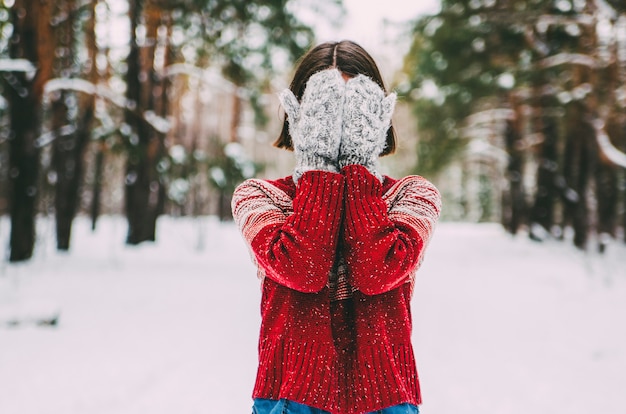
(501, 324)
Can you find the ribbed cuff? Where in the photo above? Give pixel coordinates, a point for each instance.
(365, 208)
(313, 164)
(370, 165)
(318, 205)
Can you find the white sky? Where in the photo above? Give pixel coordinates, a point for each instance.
(364, 20)
(364, 24)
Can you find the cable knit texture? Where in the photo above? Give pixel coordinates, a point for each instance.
(366, 119)
(315, 123)
(337, 255)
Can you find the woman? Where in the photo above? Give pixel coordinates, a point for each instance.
(337, 245)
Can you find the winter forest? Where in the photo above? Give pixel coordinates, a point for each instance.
(517, 106)
(126, 125)
(532, 94)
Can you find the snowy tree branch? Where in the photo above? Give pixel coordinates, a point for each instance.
(48, 137)
(547, 20)
(613, 154)
(18, 65)
(569, 58)
(490, 115)
(159, 123)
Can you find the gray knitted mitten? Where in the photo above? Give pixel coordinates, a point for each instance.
(366, 119)
(315, 123)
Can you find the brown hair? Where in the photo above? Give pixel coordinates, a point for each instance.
(349, 58)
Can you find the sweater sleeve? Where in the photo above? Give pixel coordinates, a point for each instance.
(385, 235)
(292, 241)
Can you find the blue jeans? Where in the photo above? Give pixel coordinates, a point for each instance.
(263, 406)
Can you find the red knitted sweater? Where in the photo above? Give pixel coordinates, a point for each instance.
(337, 255)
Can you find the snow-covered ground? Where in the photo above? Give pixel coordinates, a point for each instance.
(502, 325)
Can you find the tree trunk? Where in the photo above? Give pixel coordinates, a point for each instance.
(68, 161)
(68, 150)
(514, 202)
(607, 191)
(578, 155)
(224, 211)
(542, 211)
(236, 117)
(97, 186)
(621, 188)
(97, 74)
(32, 40)
(607, 198)
(581, 213)
(23, 174)
(144, 190)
